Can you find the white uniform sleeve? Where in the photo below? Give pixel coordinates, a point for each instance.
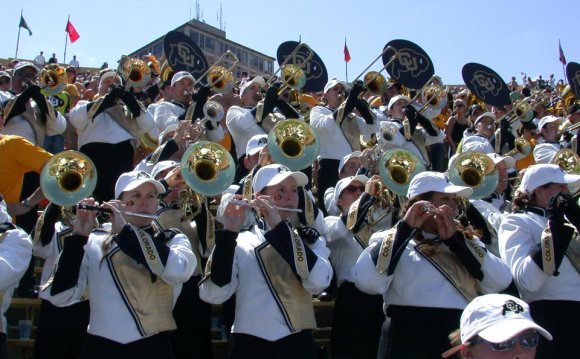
(181, 261)
(367, 277)
(15, 254)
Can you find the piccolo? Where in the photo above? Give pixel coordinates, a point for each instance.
(241, 202)
(108, 210)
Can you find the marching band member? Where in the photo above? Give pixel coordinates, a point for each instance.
(480, 141)
(548, 145)
(15, 254)
(357, 317)
(61, 330)
(427, 268)
(348, 166)
(338, 129)
(539, 242)
(456, 125)
(272, 269)
(132, 273)
(110, 131)
(570, 138)
(406, 119)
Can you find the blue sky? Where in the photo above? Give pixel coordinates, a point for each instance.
(509, 36)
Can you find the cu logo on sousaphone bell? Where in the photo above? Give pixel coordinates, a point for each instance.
(486, 83)
(409, 61)
(182, 53)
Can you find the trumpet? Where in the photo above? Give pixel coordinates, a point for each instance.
(52, 79)
(110, 211)
(135, 72)
(252, 204)
(220, 78)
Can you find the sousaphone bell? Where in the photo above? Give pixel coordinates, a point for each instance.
(397, 167)
(476, 170)
(68, 177)
(208, 168)
(294, 144)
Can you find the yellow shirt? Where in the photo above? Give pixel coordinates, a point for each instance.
(529, 159)
(18, 156)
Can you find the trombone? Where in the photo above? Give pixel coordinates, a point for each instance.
(52, 79)
(292, 74)
(220, 78)
(373, 80)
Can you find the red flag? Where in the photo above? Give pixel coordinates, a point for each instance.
(73, 35)
(346, 53)
(562, 57)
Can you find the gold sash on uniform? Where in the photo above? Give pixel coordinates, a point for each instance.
(447, 263)
(294, 301)
(547, 247)
(37, 126)
(150, 303)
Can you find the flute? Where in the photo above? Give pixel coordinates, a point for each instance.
(108, 210)
(241, 202)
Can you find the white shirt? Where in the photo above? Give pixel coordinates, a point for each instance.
(344, 249)
(167, 113)
(544, 152)
(257, 312)
(109, 316)
(416, 282)
(74, 63)
(333, 143)
(15, 254)
(103, 128)
(519, 236)
(242, 125)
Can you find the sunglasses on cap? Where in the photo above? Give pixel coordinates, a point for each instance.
(526, 340)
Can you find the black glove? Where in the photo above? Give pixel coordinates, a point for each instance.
(507, 136)
(416, 118)
(557, 208)
(286, 109)
(132, 104)
(308, 234)
(365, 111)
(269, 100)
(201, 97)
(572, 209)
(352, 98)
(567, 137)
(109, 100)
(22, 99)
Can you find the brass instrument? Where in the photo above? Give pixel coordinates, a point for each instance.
(221, 78)
(476, 170)
(433, 95)
(569, 161)
(68, 177)
(52, 79)
(521, 146)
(292, 73)
(375, 82)
(397, 167)
(135, 72)
(474, 100)
(208, 168)
(212, 111)
(294, 144)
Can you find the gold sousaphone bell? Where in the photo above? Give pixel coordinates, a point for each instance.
(397, 167)
(294, 144)
(476, 170)
(208, 168)
(68, 177)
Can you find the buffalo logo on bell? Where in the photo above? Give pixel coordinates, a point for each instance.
(485, 82)
(183, 53)
(409, 61)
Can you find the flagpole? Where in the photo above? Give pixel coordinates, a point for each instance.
(65, 40)
(345, 65)
(18, 38)
(564, 71)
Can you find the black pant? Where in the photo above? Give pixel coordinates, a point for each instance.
(61, 331)
(419, 332)
(356, 325)
(27, 221)
(111, 160)
(327, 177)
(3, 350)
(298, 345)
(192, 338)
(560, 318)
(154, 347)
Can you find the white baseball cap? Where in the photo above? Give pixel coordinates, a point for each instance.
(495, 318)
(509, 161)
(541, 174)
(256, 143)
(435, 182)
(484, 115)
(330, 84)
(272, 175)
(345, 182)
(24, 64)
(395, 99)
(344, 160)
(546, 120)
(130, 180)
(162, 166)
(180, 76)
(259, 80)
